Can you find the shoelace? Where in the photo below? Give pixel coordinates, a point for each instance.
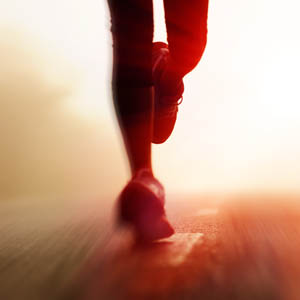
(168, 101)
(180, 100)
(171, 106)
(172, 102)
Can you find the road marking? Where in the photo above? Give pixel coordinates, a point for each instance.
(181, 246)
(206, 212)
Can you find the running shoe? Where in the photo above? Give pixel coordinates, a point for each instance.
(141, 205)
(165, 101)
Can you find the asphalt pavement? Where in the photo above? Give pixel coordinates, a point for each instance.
(237, 248)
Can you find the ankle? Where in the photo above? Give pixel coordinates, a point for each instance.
(145, 171)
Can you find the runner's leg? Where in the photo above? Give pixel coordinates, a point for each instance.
(186, 23)
(132, 29)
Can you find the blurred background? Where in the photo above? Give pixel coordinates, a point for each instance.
(238, 126)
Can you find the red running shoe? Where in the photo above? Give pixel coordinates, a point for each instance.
(165, 102)
(141, 204)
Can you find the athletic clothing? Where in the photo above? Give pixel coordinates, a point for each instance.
(132, 30)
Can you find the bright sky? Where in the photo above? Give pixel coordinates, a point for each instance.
(238, 127)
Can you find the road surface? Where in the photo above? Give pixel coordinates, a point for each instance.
(239, 249)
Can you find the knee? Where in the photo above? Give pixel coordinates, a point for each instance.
(196, 51)
(190, 54)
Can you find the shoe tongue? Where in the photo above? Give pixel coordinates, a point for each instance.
(173, 91)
